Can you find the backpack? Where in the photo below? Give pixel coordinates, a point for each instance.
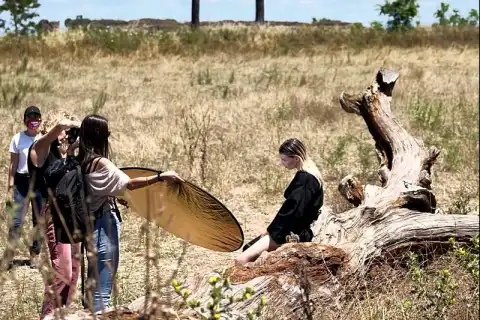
(72, 202)
(56, 169)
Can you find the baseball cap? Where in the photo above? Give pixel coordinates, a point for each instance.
(31, 110)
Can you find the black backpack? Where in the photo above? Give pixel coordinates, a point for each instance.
(56, 169)
(71, 202)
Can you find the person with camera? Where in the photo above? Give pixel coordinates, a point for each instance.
(18, 181)
(56, 148)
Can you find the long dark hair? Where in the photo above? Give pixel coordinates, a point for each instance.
(93, 138)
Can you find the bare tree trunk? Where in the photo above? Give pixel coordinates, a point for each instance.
(195, 13)
(259, 11)
(385, 220)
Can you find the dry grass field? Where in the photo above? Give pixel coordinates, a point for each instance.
(218, 120)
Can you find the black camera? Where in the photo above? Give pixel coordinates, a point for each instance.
(72, 134)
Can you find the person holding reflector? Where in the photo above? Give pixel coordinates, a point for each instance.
(104, 182)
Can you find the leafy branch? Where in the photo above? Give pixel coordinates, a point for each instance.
(221, 300)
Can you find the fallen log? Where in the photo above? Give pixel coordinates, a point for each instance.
(385, 219)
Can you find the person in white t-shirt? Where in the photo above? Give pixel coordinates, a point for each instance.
(18, 180)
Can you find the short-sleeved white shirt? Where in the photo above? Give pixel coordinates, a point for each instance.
(20, 144)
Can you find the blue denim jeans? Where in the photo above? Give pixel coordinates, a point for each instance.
(20, 193)
(106, 238)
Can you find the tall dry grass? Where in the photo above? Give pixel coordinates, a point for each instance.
(214, 105)
(229, 39)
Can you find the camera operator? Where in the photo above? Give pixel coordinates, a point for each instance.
(47, 159)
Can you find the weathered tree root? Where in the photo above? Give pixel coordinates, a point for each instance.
(386, 219)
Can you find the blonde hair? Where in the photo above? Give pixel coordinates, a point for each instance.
(295, 148)
(309, 166)
(52, 118)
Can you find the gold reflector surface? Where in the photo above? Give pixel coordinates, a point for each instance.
(186, 211)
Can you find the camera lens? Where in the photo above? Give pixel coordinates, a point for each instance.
(72, 135)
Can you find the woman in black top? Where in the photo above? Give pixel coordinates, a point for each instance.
(303, 200)
(43, 155)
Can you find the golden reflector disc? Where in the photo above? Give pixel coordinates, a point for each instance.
(186, 211)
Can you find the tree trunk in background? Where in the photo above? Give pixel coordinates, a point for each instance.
(195, 13)
(259, 11)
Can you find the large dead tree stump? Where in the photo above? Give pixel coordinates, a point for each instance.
(386, 219)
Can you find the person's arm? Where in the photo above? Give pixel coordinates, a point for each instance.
(41, 147)
(292, 211)
(12, 169)
(114, 182)
(140, 182)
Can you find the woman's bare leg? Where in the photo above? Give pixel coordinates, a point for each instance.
(265, 243)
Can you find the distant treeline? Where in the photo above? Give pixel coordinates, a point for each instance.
(161, 24)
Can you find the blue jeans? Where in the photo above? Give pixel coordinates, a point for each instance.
(106, 238)
(20, 193)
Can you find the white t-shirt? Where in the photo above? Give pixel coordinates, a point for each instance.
(20, 144)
